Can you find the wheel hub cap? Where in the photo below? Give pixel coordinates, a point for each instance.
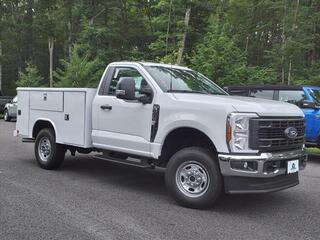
(192, 179)
(44, 149)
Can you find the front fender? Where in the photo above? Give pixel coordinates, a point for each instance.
(200, 123)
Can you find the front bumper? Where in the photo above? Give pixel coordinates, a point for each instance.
(265, 172)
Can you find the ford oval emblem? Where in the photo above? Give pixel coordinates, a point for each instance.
(291, 132)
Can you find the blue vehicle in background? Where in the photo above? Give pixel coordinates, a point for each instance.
(306, 97)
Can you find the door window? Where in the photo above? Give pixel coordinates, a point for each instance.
(122, 72)
(291, 96)
(315, 94)
(265, 94)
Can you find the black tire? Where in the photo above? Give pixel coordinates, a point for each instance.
(6, 116)
(52, 158)
(207, 163)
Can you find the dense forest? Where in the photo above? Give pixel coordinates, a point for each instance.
(69, 42)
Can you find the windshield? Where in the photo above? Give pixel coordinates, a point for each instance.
(182, 80)
(315, 94)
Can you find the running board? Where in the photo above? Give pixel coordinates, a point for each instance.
(140, 164)
(28, 140)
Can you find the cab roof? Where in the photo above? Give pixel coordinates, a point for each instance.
(152, 64)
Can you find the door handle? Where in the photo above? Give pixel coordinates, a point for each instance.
(106, 107)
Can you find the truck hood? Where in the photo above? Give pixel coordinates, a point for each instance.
(262, 107)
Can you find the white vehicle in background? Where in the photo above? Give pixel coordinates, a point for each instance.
(10, 110)
(156, 115)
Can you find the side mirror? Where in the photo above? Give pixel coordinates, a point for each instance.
(308, 104)
(146, 90)
(126, 89)
(146, 95)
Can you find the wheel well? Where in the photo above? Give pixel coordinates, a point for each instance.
(181, 138)
(39, 125)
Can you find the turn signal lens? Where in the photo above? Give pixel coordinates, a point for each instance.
(228, 132)
(237, 131)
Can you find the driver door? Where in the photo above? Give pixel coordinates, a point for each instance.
(123, 125)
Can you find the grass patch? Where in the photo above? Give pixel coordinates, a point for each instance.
(1, 116)
(313, 150)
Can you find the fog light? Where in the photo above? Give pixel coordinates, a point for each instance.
(244, 165)
(271, 166)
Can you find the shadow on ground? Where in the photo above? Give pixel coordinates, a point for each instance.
(151, 182)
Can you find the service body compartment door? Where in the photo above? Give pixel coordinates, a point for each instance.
(73, 126)
(23, 113)
(46, 101)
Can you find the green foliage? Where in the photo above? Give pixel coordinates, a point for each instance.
(217, 56)
(260, 75)
(243, 42)
(29, 78)
(221, 60)
(79, 71)
(315, 151)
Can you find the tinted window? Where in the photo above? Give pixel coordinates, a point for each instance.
(265, 94)
(120, 73)
(291, 96)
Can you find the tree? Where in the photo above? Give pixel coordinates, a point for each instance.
(184, 37)
(79, 71)
(29, 78)
(271, 41)
(177, 30)
(217, 56)
(50, 29)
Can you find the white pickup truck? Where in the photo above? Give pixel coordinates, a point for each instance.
(157, 115)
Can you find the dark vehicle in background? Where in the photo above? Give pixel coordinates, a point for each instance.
(3, 101)
(306, 97)
(10, 110)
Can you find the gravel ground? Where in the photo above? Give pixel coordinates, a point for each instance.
(93, 199)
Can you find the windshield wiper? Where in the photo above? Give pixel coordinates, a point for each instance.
(185, 91)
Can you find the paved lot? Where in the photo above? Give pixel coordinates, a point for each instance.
(92, 199)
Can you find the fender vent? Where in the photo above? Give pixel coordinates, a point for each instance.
(155, 122)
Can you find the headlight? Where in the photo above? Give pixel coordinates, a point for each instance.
(237, 132)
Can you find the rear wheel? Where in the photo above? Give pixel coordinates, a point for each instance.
(193, 178)
(49, 154)
(6, 116)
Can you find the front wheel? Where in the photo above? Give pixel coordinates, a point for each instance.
(6, 116)
(193, 178)
(49, 154)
